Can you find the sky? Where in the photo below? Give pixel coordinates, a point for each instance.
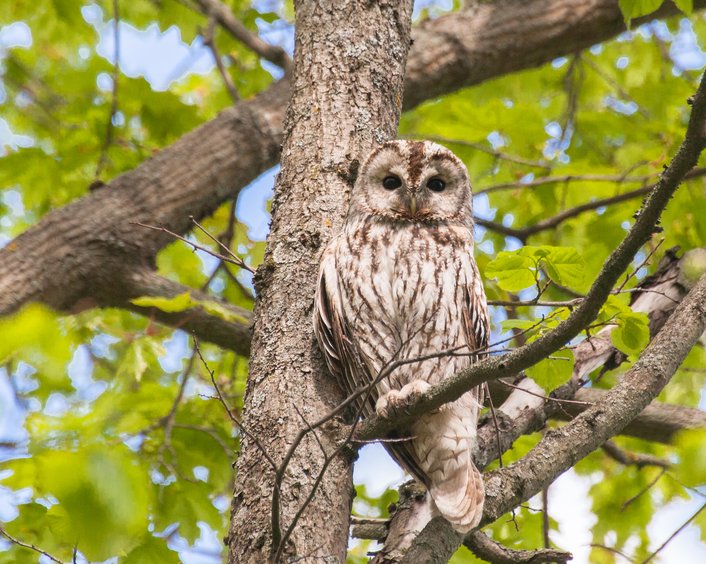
(164, 59)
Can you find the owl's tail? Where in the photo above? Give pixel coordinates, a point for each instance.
(443, 445)
(459, 495)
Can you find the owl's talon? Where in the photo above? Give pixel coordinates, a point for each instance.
(387, 404)
(396, 401)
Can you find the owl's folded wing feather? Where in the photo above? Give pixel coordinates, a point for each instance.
(344, 359)
(474, 315)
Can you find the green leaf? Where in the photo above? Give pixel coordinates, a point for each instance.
(152, 551)
(691, 469)
(180, 302)
(517, 270)
(104, 493)
(218, 309)
(187, 503)
(512, 271)
(551, 373)
(686, 6)
(636, 8)
(632, 334)
(563, 265)
(39, 337)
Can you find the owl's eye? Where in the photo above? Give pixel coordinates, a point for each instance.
(391, 182)
(436, 184)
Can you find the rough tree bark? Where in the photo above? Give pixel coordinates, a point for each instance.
(347, 93)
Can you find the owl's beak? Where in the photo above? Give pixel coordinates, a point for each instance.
(413, 204)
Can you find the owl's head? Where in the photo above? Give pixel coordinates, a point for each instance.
(413, 181)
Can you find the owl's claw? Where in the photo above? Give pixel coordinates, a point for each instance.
(395, 401)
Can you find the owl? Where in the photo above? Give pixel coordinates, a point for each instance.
(400, 306)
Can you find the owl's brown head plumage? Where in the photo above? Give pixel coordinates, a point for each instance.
(413, 181)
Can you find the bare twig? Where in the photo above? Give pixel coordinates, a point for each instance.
(674, 534)
(611, 549)
(230, 413)
(614, 84)
(610, 178)
(545, 398)
(209, 40)
(545, 517)
(523, 233)
(633, 459)
(236, 261)
(208, 431)
(223, 246)
(18, 542)
(643, 491)
(485, 149)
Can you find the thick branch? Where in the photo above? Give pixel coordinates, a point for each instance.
(497, 38)
(631, 395)
(83, 251)
(76, 252)
(658, 421)
(484, 547)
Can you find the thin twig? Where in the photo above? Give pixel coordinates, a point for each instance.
(674, 534)
(567, 178)
(495, 425)
(523, 233)
(545, 517)
(209, 431)
(614, 84)
(611, 549)
(492, 551)
(209, 40)
(18, 542)
(485, 149)
(223, 246)
(635, 270)
(230, 413)
(643, 491)
(236, 261)
(633, 459)
(545, 398)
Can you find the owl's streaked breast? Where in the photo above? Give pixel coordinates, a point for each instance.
(408, 291)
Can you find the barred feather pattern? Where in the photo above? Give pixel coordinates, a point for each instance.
(400, 301)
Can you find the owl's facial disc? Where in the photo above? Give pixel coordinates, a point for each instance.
(413, 181)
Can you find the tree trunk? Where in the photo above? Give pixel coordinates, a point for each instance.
(347, 94)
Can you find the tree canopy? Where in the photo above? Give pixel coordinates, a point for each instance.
(137, 146)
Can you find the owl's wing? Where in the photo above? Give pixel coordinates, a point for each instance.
(474, 314)
(345, 361)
